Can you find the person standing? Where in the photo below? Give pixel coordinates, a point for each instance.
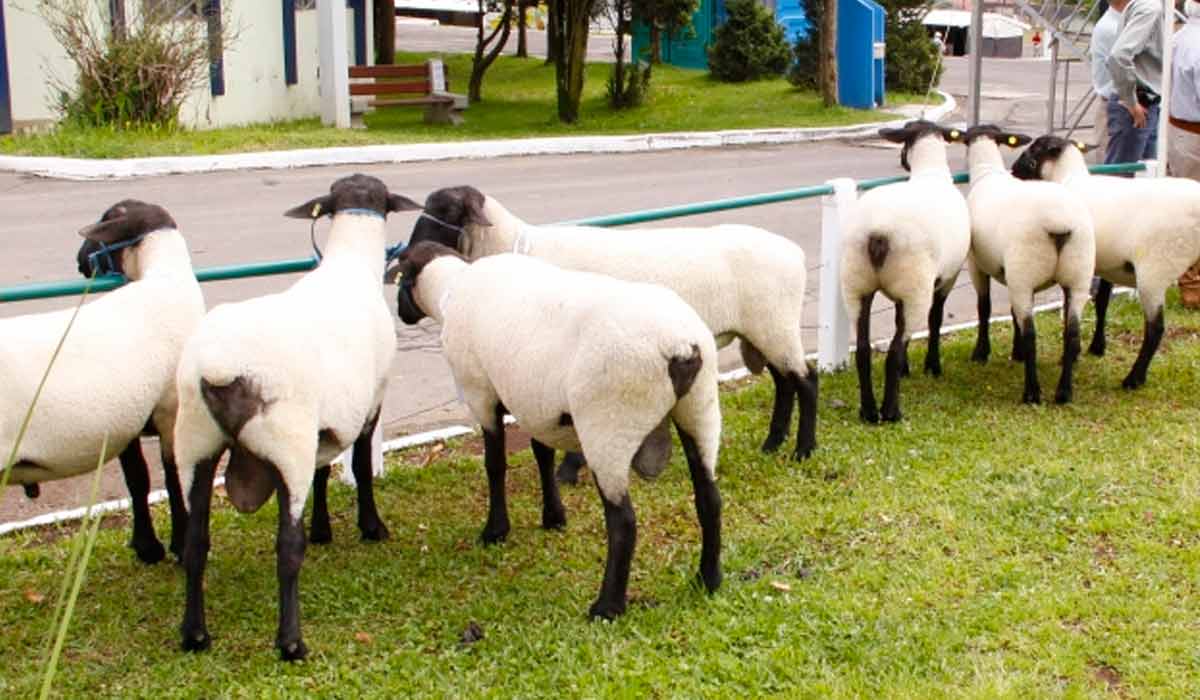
(1104, 35)
(1183, 147)
(1135, 64)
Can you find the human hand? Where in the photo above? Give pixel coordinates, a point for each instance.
(1138, 113)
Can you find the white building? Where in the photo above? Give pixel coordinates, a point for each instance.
(269, 73)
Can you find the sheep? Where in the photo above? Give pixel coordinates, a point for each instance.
(908, 240)
(1147, 234)
(1026, 235)
(286, 382)
(116, 372)
(744, 282)
(583, 361)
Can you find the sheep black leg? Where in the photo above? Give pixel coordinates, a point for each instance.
(554, 516)
(495, 462)
(806, 425)
(319, 531)
(179, 514)
(1153, 336)
(620, 524)
(933, 358)
(708, 511)
(568, 471)
(862, 362)
(781, 413)
(137, 480)
(1033, 391)
(289, 556)
(896, 359)
(1018, 350)
(1103, 295)
(195, 556)
(1071, 347)
(983, 340)
(904, 371)
(363, 464)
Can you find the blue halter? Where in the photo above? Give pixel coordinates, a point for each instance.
(102, 260)
(357, 211)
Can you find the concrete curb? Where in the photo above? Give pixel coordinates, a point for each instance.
(91, 169)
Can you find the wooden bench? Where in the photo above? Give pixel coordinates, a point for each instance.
(387, 86)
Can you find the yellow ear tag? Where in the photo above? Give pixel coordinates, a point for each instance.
(954, 134)
(316, 210)
(1012, 140)
(1079, 145)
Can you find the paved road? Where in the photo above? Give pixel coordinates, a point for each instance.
(235, 217)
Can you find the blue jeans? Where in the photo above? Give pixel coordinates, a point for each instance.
(1127, 143)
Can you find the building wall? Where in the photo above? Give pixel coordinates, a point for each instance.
(255, 88)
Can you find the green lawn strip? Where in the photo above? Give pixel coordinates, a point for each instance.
(518, 102)
(979, 548)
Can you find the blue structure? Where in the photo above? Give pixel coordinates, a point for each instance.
(860, 72)
(859, 45)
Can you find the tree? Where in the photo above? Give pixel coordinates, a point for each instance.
(749, 45)
(571, 20)
(628, 83)
(913, 63)
(829, 87)
(553, 41)
(522, 10)
(485, 56)
(664, 16)
(385, 32)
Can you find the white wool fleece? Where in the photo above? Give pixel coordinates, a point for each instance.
(548, 342)
(743, 281)
(928, 232)
(318, 353)
(1011, 225)
(116, 369)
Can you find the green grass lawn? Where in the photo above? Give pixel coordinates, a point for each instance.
(519, 101)
(980, 548)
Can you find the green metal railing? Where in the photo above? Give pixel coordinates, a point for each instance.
(46, 290)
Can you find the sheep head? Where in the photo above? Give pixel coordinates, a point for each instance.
(127, 220)
(356, 191)
(448, 214)
(995, 133)
(913, 132)
(1039, 160)
(411, 262)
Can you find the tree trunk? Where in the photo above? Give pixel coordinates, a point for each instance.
(522, 47)
(553, 30)
(385, 32)
(576, 15)
(828, 53)
(655, 44)
(482, 61)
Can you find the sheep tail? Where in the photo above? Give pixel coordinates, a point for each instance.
(877, 249)
(1059, 238)
(683, 370)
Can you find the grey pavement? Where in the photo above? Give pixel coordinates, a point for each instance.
(236, 218)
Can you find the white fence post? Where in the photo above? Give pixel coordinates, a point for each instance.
(347, 457)
(334, 65)
(833, 332)
(1153, 169)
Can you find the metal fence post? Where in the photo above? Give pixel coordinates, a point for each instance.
(347, 457)
(833, 331)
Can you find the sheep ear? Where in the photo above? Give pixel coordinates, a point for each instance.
(1015, 140)
(109, 231)
(474, 206)
(312, 209)
(894, 135)
(398, 202)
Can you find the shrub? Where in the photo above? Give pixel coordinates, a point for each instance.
(134, 78)
(637, 84)
(749, 45)
(912, 61)
(805, 72)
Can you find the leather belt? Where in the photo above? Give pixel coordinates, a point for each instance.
(1190, 127)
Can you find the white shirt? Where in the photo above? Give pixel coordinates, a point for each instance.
(1104, 35)
(1185, 72)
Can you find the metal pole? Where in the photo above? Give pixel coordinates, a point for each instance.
(1164, 107)
(1053, 40)
(976, 64)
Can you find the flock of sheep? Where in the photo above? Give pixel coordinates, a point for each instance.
(597, 341)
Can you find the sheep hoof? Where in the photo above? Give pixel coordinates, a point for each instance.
(1032, 396)
(295, 651)
(150, 552)
(320, 535)
(375, 533)
(494, 535)
(772, 443)
(934, 368)
(1061, 397)
(1133, 382)
(980, 355)
(604, 610)
(803, 452)
(196, 641)
(177, 549)
(891, 415)
(712, 581)
(554, 520)
(868, 415)
(1096, 349)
